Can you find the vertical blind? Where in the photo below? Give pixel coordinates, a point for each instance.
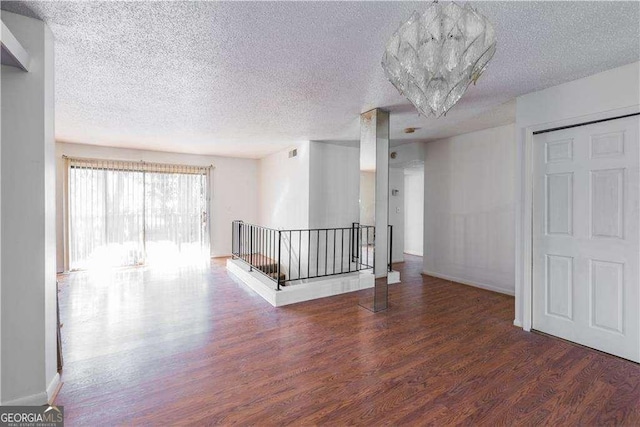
(131, 213)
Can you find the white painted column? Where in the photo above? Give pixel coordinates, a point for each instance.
(1, 241)
(28, 275)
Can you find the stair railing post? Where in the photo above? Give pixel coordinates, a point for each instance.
(235, 242)
(251, 248)
(390, 247)
(279, 247)
(239, 239)
(355, 241)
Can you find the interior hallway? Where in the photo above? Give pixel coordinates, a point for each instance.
(161, 347)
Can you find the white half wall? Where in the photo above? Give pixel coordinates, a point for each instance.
(28, 219)
(469, 208)
(414, 211)
(234, 193)
(608, 94)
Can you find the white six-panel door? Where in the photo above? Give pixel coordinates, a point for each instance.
(586, 236)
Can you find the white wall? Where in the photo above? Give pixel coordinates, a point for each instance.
(0, 253)
(333, 200)
(320, 188)
(284, 189)
(1, 245)
(413, 211)
(316, 189)
(605, 94)
(28, 220)
(408, 155)
(469, 208)
(396, 212)
(234, 193)
(333, 185)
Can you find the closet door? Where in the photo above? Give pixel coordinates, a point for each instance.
(586, 251)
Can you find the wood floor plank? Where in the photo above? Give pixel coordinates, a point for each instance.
(194, 347)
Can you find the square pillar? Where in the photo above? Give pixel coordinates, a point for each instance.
(28, 272)
(374, 200)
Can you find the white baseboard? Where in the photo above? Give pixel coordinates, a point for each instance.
(41, 398)
(517, 322)
(474, 284)
(413, 253)
(32, 400)
(53, 388)
(252, 281)
(303, 290)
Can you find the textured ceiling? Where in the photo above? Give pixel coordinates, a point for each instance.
(246, 79)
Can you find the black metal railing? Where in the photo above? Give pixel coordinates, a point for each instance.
(285, 256)
(372, 239)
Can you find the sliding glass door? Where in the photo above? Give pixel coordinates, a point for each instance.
(124, 213)
(175, 217)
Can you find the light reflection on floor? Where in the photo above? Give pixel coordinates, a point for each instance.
(118, 309)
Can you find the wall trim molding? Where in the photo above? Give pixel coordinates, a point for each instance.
(42, 398)
(303, 290)
(53, 388)
(34, 399)
(470, 283)
(414, 253)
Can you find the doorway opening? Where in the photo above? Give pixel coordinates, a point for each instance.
(414, 210)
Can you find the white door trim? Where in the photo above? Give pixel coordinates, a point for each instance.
(524, 217)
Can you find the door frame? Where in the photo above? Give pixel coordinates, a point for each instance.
(524, 217)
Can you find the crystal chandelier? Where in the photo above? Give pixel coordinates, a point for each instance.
(432, 58)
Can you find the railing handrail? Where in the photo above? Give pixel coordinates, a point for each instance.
(263, 249)
(300, 229)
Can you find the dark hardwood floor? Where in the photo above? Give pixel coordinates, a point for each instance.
(194, 347)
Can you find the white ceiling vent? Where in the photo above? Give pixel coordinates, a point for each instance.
(293, 153)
